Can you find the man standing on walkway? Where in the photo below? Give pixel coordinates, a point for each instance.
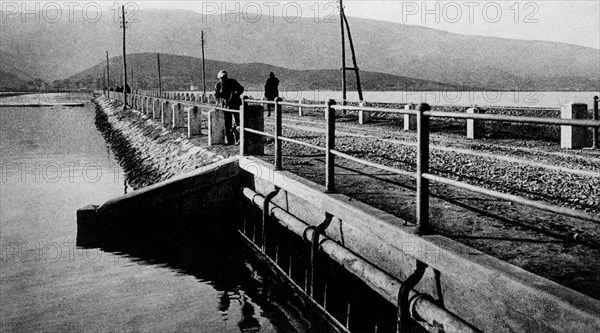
(227, 93)
(271, 91)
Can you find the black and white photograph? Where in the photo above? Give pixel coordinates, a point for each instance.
(336, 166)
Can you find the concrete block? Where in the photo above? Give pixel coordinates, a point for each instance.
(156, 108)
(166, 114)
(363, 116)
(300, 109)
(194, 117)
(149, 103)
(216, 127)
(178, 115)
(574, 137)
(410, 121)
(475, 128)
(254, 118)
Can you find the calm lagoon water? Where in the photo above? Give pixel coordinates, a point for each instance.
(54, 161)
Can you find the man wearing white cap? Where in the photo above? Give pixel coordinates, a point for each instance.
(228, 92)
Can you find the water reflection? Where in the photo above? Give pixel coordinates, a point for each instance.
(209, 251)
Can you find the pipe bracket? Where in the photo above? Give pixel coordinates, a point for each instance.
(403, 294)
(266, 214)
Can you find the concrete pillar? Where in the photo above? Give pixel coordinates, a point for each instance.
(194, 120)
(254, 118)
(156, 109)
(300, 109)
(363, 116)
(149, 104)
(216, 127)
(475, 128)
(410, 121)
(166, 114)
(178, 115)
(574, 137)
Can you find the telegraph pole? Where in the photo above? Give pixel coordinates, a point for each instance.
(104, 78)
(159, 77)
(360, 95)
(132, 79)
(107, 76)
(343, 54)
(203, 68)
(124, 61)
(344, 22)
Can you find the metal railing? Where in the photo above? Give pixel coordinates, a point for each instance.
(422, 175)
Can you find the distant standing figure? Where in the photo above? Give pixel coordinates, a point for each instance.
(227, 93)
(271, 91)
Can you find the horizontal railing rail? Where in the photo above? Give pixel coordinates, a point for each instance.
(422, 175)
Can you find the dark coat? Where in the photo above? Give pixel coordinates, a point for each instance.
(272, 88)
(229, 92)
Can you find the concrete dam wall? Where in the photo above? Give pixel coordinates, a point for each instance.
(441, 284)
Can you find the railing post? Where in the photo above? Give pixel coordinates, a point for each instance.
(278, 116)
(422, 200)
(475, 127)
(572, 137)
(363, 116)
(595, 129)
(243, 108)
(300, 110)
(329, 145)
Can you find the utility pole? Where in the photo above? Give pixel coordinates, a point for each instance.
(344, 22)
(343, 54)
(358, 87)
(159, 77)
(124, 61)
(132, 79)
(107, 76)
(104, 78)
(203, 68)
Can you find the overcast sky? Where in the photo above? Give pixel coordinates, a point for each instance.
(574, 22)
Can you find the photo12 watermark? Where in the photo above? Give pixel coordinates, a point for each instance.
(67, 11)
(52, 172)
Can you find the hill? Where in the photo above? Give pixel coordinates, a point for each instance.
(53, 50)
(180, 72)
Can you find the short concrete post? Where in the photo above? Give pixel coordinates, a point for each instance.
(300, 109)
(254, 118)
(166, 114)
(156, 109)
(574, 137)
(363, 116)
(475, 127)
(410, 120)
(194, 120)
(216, 127)
(178, 115)
(149, 106)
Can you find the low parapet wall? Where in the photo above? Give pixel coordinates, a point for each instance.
(489, 294)
(484, 293)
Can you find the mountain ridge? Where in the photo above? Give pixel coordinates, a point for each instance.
(381, 46)
(180, 72)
